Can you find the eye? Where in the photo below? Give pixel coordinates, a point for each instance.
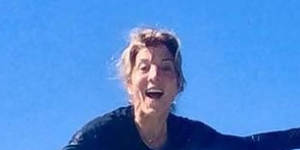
(143, 67)
(167, 67)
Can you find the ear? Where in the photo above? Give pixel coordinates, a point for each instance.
(129, 87)
(130, 91)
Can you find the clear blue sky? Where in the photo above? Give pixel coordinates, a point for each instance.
(241, 61)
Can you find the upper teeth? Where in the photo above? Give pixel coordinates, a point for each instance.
(155, 90)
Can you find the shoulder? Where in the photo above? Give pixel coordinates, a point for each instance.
(98, 129)
(191, 132)
(194, 134)
(186, 123)
(109, 119)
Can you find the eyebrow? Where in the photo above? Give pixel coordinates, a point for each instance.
(143, 60)
(168, 59)
(163, 60)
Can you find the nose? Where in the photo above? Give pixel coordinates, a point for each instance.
(154, 74)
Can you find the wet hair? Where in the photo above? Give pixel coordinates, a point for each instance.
(150, 37)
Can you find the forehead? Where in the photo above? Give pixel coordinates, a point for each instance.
(154, 52)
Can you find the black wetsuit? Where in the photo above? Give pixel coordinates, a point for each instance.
(117, 131)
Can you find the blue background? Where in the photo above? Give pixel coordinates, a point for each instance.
(241, 61)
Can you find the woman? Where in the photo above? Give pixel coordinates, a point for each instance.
(150, 67)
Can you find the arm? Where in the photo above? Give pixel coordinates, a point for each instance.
(278, 140)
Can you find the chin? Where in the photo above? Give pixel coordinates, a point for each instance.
(156, 110)
(150, 109)
(154, 106)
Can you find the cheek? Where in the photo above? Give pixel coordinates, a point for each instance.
(171, 80)
(172, 87)
(138, 83)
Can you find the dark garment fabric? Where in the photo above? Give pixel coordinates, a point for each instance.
(117, 131)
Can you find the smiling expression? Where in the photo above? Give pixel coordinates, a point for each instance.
(153, 82)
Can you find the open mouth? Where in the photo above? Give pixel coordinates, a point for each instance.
(154, 93)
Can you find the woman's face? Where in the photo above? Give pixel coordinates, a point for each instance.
(153, 82)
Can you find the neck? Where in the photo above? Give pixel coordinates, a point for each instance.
(152, 128)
